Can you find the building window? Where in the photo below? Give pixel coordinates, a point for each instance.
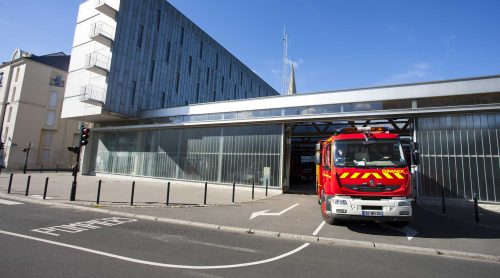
(241, 78)
(139, 37)
(17, 74)
(182, 36)
(234, 91)
(251, 86)
(152, 71)
(47, 138)
(177, 83)
(208, 74)
(168, 52)
(201, 50)
(230, 70)
(214, 95)
(197, 91)
(217, 61)
(13, 97)
(1, 78)
(45, 156)
(51, 117)
(10, 114)
(222, 86)
(158, 20)
(162, 99)
(190, 64)
(132, 96)
(53, 99)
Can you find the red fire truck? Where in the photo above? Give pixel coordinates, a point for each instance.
(362, 174)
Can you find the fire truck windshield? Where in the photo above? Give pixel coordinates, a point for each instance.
(375, 153)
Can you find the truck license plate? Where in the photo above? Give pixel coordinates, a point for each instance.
(372, 213)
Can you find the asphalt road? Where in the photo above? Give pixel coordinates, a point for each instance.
(34, 242)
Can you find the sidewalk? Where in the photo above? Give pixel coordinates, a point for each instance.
(116, 190)
(489, 215)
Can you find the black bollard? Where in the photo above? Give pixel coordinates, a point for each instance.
(205, 198)
(98, 192)
(28, 186)
(442, 200)
(234, 187)
(132, 197)
(267, 184)
(41, 168)
(57, 167)
(45, 188)
(476, 211)
(10, 182)
(253, 189)
(168, 194)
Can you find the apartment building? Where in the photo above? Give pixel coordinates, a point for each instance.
(31, 90)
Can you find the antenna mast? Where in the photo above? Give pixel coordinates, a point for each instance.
(285, 59)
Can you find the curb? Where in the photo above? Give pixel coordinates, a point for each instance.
(264, 233)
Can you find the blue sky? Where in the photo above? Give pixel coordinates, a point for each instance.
(334, 44)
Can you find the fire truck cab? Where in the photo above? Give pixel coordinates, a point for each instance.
(362, 174)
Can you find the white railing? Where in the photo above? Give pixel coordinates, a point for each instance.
(98, 60)
(104, 29)
(92, 93)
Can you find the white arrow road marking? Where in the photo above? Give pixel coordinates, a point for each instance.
(9, 203)
(409, 232)
(265, 212)
(123, 258)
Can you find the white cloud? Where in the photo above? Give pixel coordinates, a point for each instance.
(417, 72)
(296, 63)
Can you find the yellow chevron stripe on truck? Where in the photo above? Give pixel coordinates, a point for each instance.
(388, 175)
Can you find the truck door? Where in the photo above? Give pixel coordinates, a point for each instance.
(326, 166)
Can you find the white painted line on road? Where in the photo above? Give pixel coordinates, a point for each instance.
(265, 212)
(316, 232)
(123, 258)
(9, 203)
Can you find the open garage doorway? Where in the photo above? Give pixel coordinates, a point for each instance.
(302, 138)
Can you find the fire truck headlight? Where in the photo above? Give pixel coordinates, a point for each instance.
(404, 204)
(340, 202)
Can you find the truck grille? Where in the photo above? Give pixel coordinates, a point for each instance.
(377, 188)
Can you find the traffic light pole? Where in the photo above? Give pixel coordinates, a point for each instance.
(75, 173)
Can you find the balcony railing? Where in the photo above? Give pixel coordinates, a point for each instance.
(92, 94)
(102, 33)
(103, 7)
(97, 63)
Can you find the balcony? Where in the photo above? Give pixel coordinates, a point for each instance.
(92, 95)
(102, 33)
(103, 7)
(97, 63)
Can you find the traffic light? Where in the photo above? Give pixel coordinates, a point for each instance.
(84, 136)
(24, 150)
(74, 149)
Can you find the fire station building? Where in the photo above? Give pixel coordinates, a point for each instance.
(167, 101)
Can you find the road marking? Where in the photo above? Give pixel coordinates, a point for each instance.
(123, 258)
(265, 212)
(409, 232)
(173, 238)
(9, 203)
(78, 227)
(316, 232)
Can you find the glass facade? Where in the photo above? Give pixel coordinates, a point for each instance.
(461, 154)
(240, 154)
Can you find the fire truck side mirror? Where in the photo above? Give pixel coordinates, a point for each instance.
(317, 154)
